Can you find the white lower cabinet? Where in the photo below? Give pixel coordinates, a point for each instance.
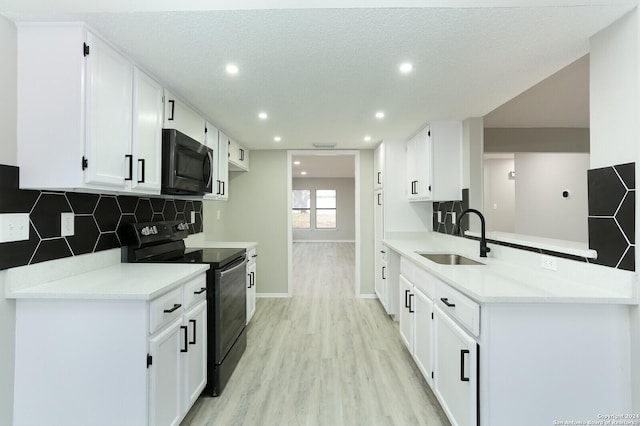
(406, 313)
(455, 370)
(88, 366)
(423, 335)
(251, 282)
(500, 364)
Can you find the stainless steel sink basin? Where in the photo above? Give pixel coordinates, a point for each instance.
(449, 259)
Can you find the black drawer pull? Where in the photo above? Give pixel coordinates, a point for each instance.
(202, 290)
(194, 331)
(186, 338)
(175, 307)
(445, 300)
(462, 353)
(411, 304)
(383, 269)
(406, 298)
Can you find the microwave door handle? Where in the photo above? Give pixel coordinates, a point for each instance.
(204, 169)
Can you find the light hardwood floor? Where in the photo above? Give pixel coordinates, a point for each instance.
(322, 357)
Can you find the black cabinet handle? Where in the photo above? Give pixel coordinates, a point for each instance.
(194, 332)
(411, 304)
(241, 154)
(141, 162)
(186, 338)
(249, 276)
(218, 192)
(254, 255)
(379, 176)
(130, 160)
(379, 200)
(253, 276)
(462, 353)
(202, 290)
(173, 109)
(406, 298)
(224, 188)
(429, 188)
(175, 307)
(383, 269)
(445, 300)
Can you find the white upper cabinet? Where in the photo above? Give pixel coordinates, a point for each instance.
(238, 157)
(434, 163)
(218, 142)
(378, 167)
(108, 114)
(147, 134)
(83, 123)
(178, 115)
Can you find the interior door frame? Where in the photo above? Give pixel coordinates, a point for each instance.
(332, 152)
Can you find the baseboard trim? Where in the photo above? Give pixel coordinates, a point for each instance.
(367, 296)
(272, 295)
(324, 241)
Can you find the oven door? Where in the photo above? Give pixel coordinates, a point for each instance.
(229, 306)
(187, 166)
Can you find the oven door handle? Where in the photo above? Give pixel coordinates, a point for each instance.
(240, 263)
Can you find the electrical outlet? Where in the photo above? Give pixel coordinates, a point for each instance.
(548, 262)
(453, 217)
(67, 221)
(193, 217)
(14, 227)
(439, 216)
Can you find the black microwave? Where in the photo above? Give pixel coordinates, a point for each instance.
(187, 165)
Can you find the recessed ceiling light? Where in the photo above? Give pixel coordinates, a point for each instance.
(262, 116)
(367, 138)
(406, 67)
(277, 138)
(379, 114)
(303, 173)
(232, 69)
(297, 163)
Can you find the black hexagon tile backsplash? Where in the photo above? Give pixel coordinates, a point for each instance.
(612, 212)
(96, 219)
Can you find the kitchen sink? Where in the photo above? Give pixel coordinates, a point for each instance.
(449, 259)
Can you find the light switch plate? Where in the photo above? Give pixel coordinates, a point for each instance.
(14, 227)
(67, 227)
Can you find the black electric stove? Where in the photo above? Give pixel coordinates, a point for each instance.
(163, 242)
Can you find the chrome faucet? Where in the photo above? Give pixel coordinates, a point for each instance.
(483, 240)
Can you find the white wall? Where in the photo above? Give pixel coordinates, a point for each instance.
(499, 194)
(8, 93)
(614, 99)
(539, 206)
(345, 209)
(8, 145)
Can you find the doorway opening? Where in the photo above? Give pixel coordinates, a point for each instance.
(324, 202)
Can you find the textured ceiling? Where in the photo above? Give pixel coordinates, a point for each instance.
(321, 74)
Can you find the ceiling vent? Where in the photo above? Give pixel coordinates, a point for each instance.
(324, 145)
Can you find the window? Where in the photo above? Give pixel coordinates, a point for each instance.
(325, 208)
(301, 211)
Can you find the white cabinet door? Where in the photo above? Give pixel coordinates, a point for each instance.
(223, 167)
(251, 290)
(108, 115)
(378, 167)
(165, 375)
(238, 157)
(378, 213)
(195, 359)
(455, 370)
(179, 116)
(211, 141)
(423, 165)
(406, 312)
(423, 336)
(146, 144)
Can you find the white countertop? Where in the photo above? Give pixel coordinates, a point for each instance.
(139, 281)
(499, 281)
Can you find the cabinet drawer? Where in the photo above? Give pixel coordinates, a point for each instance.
(407, 269)
(459, 307)
(251, 256)
(164, 309)
(195, 291)
(424, 281)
